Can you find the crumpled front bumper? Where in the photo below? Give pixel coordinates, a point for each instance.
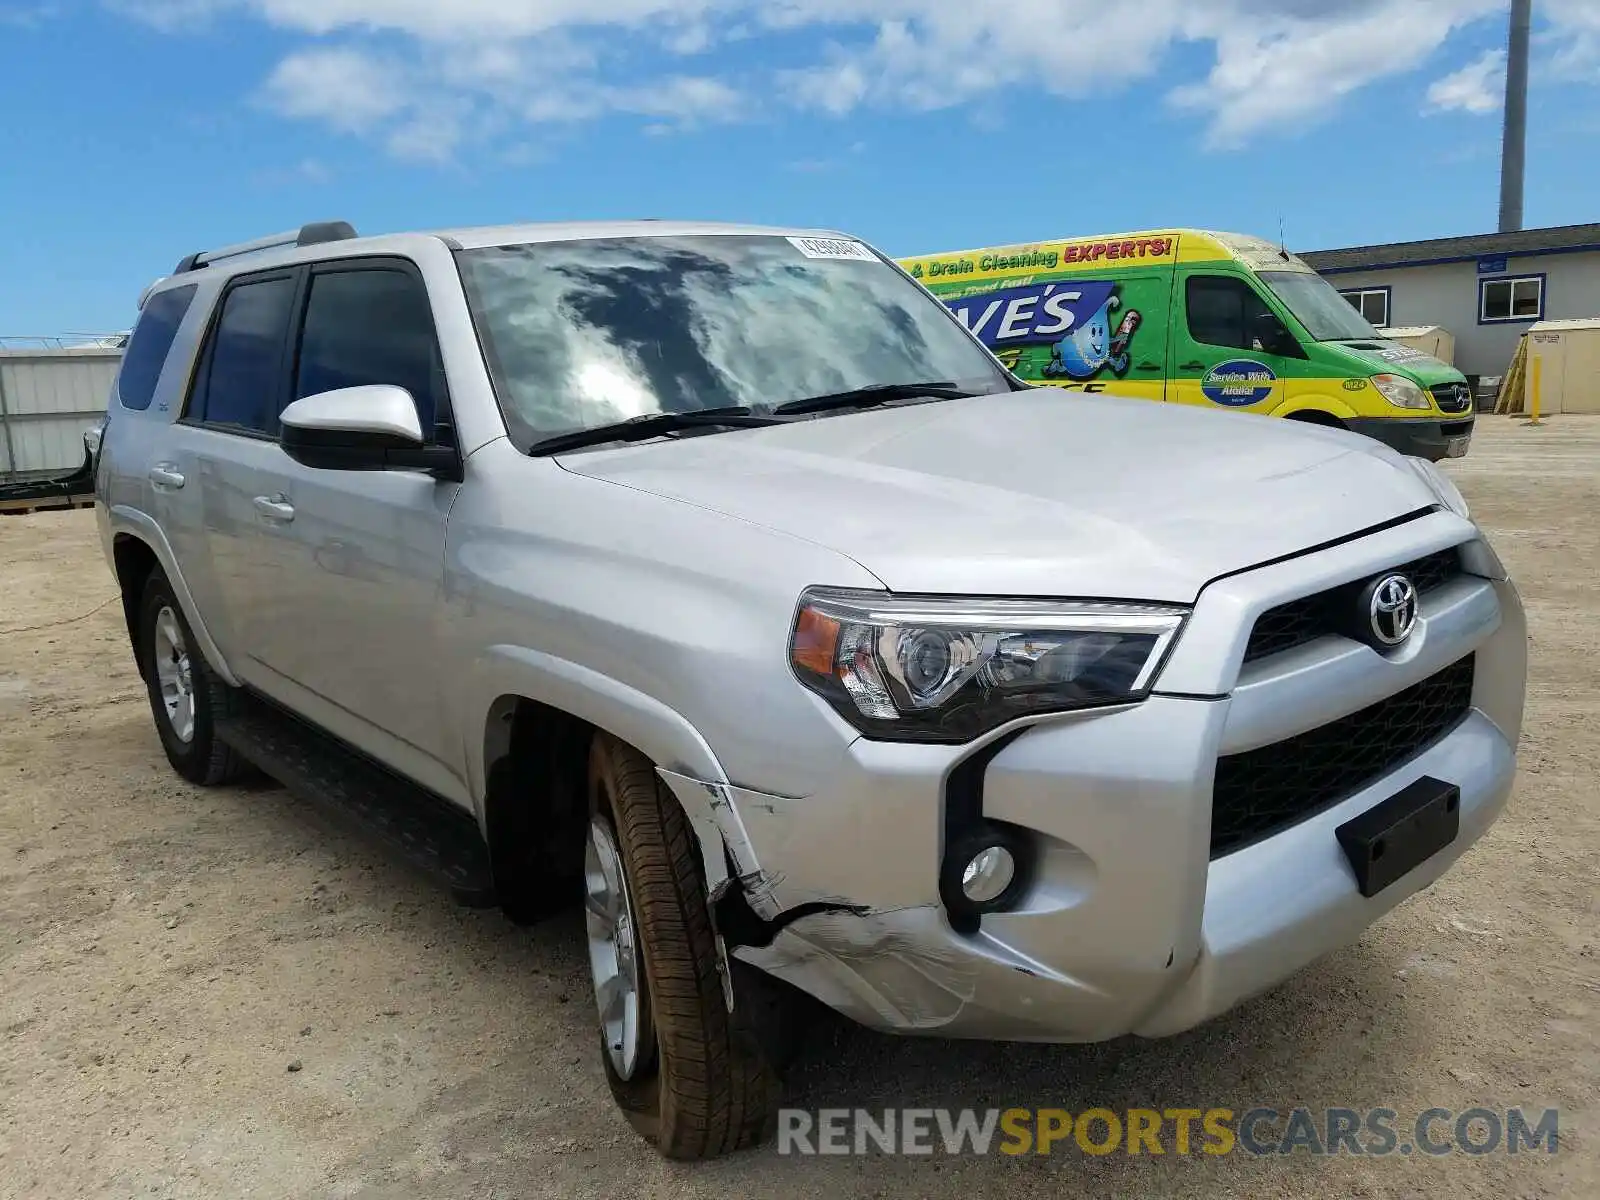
(1128, 925)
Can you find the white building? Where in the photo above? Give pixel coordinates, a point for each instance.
(1486, 290)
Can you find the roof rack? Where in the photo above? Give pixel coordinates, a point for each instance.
(312, 234)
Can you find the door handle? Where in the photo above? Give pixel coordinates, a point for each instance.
(1148, 366)
(165, 475)
(1192, 365)
(274, 508)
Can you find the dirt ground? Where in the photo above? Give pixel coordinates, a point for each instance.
(219, 994)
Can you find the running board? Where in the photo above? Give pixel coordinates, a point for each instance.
(432, 834)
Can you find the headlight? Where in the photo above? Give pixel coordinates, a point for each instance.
(1449, 495)
(945, 669)
(1401, 392)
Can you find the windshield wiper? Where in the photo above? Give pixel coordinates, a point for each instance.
(875, 394)
(650, 425)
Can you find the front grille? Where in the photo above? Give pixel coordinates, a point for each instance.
(1263, 792)
(1452, 397)
(1310, 617)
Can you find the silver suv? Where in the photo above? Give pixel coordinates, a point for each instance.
(718, 579)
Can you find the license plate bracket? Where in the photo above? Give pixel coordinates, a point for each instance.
(1398, 834)
(1457, 447)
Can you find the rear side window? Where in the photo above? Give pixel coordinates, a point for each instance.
(369, 326)
(150, 344)
(1224, 311)
(241, 381)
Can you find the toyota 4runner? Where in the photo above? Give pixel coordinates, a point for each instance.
(717, 579)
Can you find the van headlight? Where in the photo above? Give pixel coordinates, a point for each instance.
(1401, 392)
(947, 669)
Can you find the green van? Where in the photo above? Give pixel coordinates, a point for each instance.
(1197, 317)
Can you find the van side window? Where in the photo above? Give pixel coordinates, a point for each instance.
(371, 325)
(150, 344)
(1224, 311)
(241, 380)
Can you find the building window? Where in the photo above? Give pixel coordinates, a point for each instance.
(1371, 303)
(1511, 299)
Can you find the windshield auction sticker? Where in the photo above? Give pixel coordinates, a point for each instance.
(844, 248)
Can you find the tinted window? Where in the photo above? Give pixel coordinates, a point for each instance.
(151, 342)
(369, 327)
(1225, 312)
(242, 376)
(585, 333)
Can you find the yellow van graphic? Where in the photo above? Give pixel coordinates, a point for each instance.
(1225, 321)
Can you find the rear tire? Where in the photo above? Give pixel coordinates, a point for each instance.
(690, 1079)
(186, 696)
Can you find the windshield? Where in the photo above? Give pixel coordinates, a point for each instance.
(579, 334)
(1327, 316)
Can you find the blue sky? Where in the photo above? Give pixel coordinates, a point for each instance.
(140, 130)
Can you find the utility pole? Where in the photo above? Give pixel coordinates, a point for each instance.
(1513, 151)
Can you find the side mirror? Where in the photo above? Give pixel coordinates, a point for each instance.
(368, 428)
(1274, 338)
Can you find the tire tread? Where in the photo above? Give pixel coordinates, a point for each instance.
(717, 1091)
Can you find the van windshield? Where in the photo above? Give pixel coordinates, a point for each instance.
(586, 333)
(1327, 316)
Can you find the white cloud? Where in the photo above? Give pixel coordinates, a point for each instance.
(429, 137)
(1575, 37)
(1479, 87)
(348, 89)
(392, 67)
(1293, 70)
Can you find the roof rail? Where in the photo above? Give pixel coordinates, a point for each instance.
(312, 234)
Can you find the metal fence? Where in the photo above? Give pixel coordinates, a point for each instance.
(48, 397)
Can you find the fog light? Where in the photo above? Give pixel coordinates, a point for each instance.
(988, 875)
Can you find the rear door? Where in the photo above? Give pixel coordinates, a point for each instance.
(1222, 345)
(227, 446)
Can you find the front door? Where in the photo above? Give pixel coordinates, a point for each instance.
(1229, 349)
(348, 623)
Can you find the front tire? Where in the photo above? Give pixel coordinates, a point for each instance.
(186, 696)
(689, 1079)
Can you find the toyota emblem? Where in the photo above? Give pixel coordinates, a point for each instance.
(1391, 610)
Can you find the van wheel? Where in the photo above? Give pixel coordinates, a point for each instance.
(690, 1081)
(186, 697)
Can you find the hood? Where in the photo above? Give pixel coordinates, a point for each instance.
(1378, 354)
(1036, 493)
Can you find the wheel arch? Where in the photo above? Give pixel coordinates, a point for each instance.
(134, 561)
(139, 546)
(1317, 410)
(528, 753)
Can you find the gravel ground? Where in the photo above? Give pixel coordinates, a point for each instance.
(217, 993)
